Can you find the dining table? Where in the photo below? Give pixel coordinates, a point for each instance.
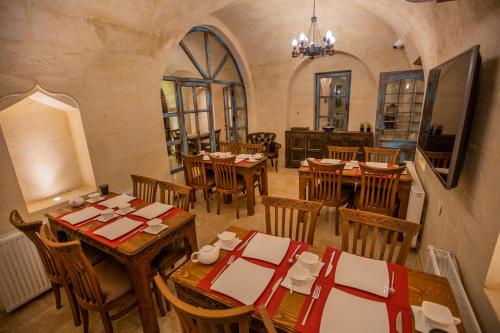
(353, 176)
(135, 250)
(247, 170)
(287, 313)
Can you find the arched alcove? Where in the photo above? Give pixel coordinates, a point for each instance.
(46, 142)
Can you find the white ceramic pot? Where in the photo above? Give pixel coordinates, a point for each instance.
(77, 201)
(206, 255)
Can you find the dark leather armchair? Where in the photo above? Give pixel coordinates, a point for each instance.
(271, 147)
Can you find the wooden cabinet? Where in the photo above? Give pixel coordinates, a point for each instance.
(302, 144)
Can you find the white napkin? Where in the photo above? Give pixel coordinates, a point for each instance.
(235, 243)
(118, 228)
(377, 165)
(329, 161)
(155, 229)
(344, 312)
(117, 201)
(243, 281)
(153, 210)
(82, 215)
(267, 248)
(363, 273)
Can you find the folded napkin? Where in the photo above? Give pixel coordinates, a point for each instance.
(153, 210)
(118, 228)
(82, 215)
(267, 248)
(117, 201)
(377, 165)
(329, 161)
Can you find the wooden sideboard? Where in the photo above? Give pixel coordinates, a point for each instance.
(302, 144)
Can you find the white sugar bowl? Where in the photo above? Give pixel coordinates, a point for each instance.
(207, 255)
(299, 275)
(308, 260)
(76, 201)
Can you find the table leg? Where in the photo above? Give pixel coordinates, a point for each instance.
(404, 190)
(263, 179)
(139, 275)
(248, 176)
(302, 187)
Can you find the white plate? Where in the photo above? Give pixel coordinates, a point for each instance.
(94, 199)
(348, 167)
(377, 165)
(155, 229)
(344, 312)
(302, 289)
(243, 281)
(363, 273)
(103, 219)
(267, 248)
(235, 243)
(153, 210)
(425, 326)
(118, 228)
(82, 215)
(125, 211)
(329, 161)
(117, 201)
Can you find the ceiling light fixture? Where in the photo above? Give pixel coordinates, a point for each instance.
(313, 45)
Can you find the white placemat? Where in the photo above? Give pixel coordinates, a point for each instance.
(153, 210)
(363, 273)
(344, 312)
(118, 228)
(267, 248)
(377, 165)
(329, 161)
(82, 215)
(117, 201)
(243, 281)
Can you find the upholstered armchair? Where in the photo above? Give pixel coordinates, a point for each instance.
(271, 147)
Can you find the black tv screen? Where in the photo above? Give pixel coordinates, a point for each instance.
(450, 100)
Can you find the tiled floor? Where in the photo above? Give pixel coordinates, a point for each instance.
(40, 314)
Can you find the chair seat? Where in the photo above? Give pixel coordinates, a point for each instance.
(113, 279)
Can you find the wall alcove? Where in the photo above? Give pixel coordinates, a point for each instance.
(46, 142)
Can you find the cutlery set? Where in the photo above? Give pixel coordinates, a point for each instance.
(229, 262)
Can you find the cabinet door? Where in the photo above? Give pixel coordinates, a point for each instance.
(314, 145)
(297, 148)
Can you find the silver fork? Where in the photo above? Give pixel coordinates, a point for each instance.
(315, 296)
(229, 262)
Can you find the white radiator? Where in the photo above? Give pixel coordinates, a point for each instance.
(22, 276)
(442, 263)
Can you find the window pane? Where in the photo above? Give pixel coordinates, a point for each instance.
(406, 98)
(229, 72)
(419, 86)
(407, 86)
(168, 102)
(187, 98)
(325, 83)
(392, 87)
(217, 52)
(339, 86)
(323, 106)
(196, 44)
(201, 98)
(190, 121)
(172, 129)
(203, 121)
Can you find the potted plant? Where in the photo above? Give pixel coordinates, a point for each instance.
(368, 127)
(361, 126)
(439, 129)
(431, 130)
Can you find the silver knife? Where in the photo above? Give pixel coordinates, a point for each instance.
(273, 290)
(330, 266)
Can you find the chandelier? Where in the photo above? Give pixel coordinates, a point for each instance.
(313, 45)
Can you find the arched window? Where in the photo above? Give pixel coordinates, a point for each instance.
(203, 97)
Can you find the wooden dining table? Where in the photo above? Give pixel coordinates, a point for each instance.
(354, 176)
(187, 277)
(136, 252)
(247, 170)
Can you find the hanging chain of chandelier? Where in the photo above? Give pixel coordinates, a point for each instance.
(313, 45)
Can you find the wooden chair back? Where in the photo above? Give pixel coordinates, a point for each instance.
(379, 188)
(293, 218)
(250, 148)
(343, 153)
(326, 185)
(32, 230)
(144, 188)
(225, 174)
(229, 147)
(439, 159)
(376, 236)
(176, 195)
(382, 155)
(195, 170)
(194, 319)
(79, 269)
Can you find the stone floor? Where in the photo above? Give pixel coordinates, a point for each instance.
(40, 314)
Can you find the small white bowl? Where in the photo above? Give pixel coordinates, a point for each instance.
(227, 238)
(299, 275)
(107, 213)
(308, 260)
(439, 314)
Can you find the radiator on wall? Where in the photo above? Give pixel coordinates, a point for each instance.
(22, 276)
(442, 263)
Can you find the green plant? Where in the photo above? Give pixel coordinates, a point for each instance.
(361, 126)
(368, 127)
(431, 130)
(439, 129)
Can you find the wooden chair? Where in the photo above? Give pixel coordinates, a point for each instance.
(250, 148)
(343, 153)
(305, 214)
(378, 189)
(55, 275)
(177, 195)
(326, 187)
(144, 188)
(271, 147)
(439, 159)
(103, 288)
(229, 147)
(371, 227)
(194, 319)
(227, 181)
(197, 176)
(383, 155)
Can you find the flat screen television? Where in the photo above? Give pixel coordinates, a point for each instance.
(448, 112)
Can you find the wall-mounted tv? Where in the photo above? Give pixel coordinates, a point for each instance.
(450, 101)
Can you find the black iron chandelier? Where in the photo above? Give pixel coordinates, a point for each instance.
(313, 45)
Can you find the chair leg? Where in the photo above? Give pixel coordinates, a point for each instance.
(237, 205)
(337, 220)
(218, 203)
(276, 165)
(205, 193)
(106, 322)
(75, 311)
(57, 294)
(85, 318)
